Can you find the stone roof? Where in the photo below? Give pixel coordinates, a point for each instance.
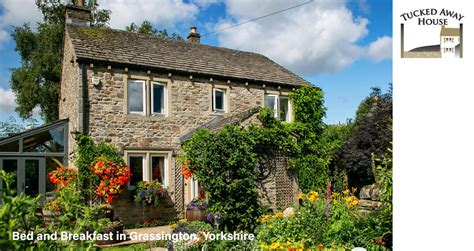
(123, 47)
(217, 123)
(449, 32)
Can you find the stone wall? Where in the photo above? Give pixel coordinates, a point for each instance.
(190, 106)
(277, 187)
(131, 212)
(70, 92)
(369, 198)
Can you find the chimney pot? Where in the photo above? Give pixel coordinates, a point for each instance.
(193, 36)
(79, 15)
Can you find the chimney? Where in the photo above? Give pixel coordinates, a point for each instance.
(193, 36)
(79, 3)
(78, 14)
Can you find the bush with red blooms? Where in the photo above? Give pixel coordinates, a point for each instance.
(61, 176)
(185, 170)
(114, 177)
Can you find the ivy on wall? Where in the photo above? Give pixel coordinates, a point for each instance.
(226, 163)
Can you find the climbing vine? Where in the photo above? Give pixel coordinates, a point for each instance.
(227, 163)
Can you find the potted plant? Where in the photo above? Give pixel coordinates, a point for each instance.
(149, 193)
(196, 209)
(106, 227)
(105, 211)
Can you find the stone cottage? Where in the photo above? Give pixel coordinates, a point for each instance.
(146, 94)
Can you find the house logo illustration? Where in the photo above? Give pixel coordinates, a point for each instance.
(431, 33)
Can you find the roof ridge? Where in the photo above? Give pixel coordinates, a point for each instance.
(166, 39)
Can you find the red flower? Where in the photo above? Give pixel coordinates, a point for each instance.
(320, 246)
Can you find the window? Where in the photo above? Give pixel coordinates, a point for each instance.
(136, 97)
(148, 166)
(218, 100)
(284, 106)
(146, 97)
(137, 164)
(158, 98)
(280, 105)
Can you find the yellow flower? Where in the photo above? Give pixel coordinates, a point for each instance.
(313, 193)
(278, 215)
(274, 245)
(264, 218)
(300, 196)
(354, 189)
(346, 192)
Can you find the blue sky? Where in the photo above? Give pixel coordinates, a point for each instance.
(344, 47)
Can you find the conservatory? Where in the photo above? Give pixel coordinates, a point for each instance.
(33, 153)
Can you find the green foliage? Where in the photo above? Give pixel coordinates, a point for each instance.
(13, 126)
(339, 225)
(36, 82)
(17, 214)
(148, 29)
(312, 161)
(371, 134)
(87, 153)
(225, 163)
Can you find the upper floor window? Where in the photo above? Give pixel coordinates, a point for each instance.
(158, 98)
(136, 97)
(146, 97)
(218, 100)
(280, 105)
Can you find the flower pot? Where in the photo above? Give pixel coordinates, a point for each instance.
(194, 214)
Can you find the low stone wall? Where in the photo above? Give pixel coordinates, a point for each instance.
(369, 198)
(131, 212)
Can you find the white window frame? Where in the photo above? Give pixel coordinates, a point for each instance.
(194, 188)
(165, 168)
(276, 108)
(144, 98)
(165, 98)
(147, 158)
(289, 108)
(214, 90)
(143, 156)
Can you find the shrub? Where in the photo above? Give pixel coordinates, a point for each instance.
(17, 214)
(114, 176)
(225, 163)
(87, 154)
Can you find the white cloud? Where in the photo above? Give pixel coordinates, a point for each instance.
(380, 49)
(166, 12)
(7, 101)
(17, 12)
(318, 37)
(206, 3)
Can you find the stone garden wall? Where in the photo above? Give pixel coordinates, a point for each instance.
(131, 212)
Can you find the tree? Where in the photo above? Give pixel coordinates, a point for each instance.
(148, 29)
(371, 134)
(36, 82)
